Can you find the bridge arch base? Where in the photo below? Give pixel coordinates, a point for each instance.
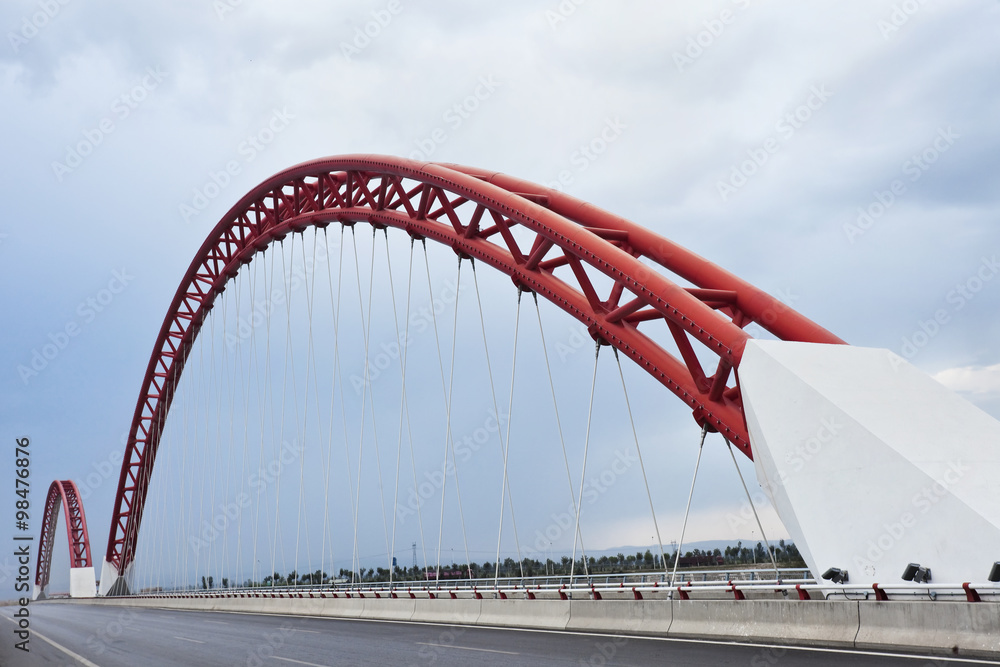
(113, 584)
(871, 464)
(63, 495)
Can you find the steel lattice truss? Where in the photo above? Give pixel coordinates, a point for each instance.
(546, 241)
(63, 494)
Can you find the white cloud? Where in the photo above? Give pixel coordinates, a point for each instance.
(980, 380)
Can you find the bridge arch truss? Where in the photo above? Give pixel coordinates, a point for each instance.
(66, 496)
(547, 242)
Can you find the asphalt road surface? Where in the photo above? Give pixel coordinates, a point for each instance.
(75, 635)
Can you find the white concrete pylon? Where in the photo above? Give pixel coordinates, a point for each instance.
(82, 583)
(872, 464)
(110, 578)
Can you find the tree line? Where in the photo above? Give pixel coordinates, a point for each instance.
(785, 554)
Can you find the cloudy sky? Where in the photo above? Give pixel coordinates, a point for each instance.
(840, 155)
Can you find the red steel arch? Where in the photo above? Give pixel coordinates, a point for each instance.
(546, 241)
(66, 494)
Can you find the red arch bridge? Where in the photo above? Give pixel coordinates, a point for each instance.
(329, 381)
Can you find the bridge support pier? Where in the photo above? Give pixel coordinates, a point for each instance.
(112, 583)
(81, 585)
(871, 464)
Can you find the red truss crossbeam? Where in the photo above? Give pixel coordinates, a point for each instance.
(546, 241)
(65, 495)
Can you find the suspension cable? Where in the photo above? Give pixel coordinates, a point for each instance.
(338, 380)
(404, 411)
(642, 467)
(496, 411)
(586, 450)
(555, 407)
(506, 448)
(680, 544)
(757, 518)
(448, 396)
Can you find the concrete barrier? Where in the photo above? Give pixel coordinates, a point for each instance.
(518, 613)
(388, 609)
(938, 627)
(646, 617)
(950, 627)
(447, 611)
(820, 623)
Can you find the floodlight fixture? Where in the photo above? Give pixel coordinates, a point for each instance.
(836, 575)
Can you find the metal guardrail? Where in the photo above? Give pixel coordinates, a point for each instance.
(628, 578)
(749, 583)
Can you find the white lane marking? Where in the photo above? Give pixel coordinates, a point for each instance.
(312, 632)
(216, 622)
(297, 662)
(467, 648)
(36, 633)
(193, 641)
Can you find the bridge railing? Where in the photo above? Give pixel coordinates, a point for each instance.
(793, 583)
(548, 581)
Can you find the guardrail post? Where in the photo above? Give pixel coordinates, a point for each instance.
(971, 595)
